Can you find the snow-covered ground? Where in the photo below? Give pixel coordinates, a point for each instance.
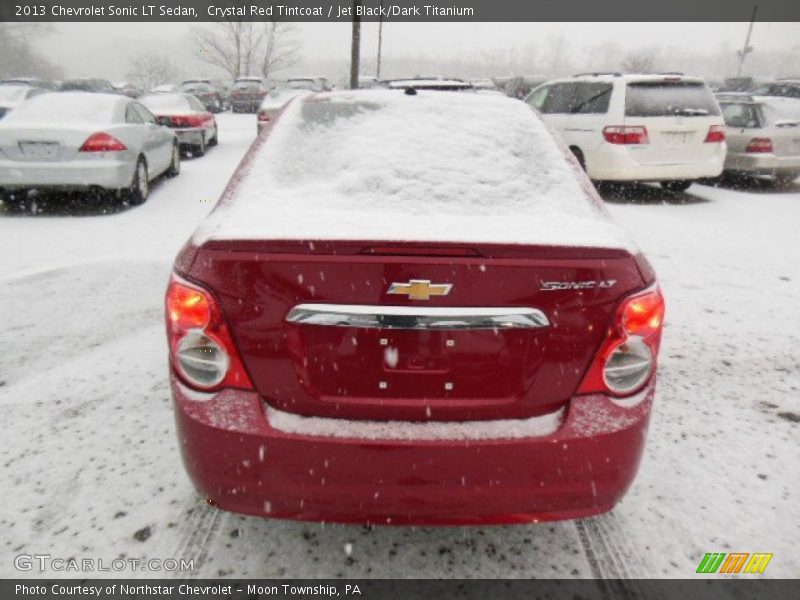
(90, 466)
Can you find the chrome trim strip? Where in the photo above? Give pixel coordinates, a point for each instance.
(416, 317)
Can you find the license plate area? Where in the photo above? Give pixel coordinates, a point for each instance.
(40, 150)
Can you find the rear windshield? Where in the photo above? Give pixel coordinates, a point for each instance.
(741, 115)
(669, 98)
(577, 98)
(247, 85)
(167, 103)
(65, 109)
(301, 84)
(782, 112)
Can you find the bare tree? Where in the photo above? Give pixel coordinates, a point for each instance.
(233, 46)
(279, 50)
(639, 61)
(150, 69)
(17, 55)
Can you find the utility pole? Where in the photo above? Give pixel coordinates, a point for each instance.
(747, 48)
(380, 43)
(355, 46)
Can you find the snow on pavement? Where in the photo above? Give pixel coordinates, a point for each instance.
(90, 457)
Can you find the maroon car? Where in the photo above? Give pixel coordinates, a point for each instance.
(412, 308)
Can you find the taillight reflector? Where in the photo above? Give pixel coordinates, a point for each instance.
(716, 134)
(201, 348)
(627, 357)
(102, 142)
(759, 146)
(263, 117)
(626, 135)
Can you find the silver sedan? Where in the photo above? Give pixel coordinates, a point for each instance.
(84, 141)
(763, 135)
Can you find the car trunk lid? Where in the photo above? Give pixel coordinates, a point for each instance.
(468, 332)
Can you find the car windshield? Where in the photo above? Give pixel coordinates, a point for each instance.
(669, 98)
(301, 84)
(247, 85)
(167, 103)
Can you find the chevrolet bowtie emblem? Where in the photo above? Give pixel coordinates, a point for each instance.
(420, 289)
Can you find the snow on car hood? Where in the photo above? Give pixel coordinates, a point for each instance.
(435, 166)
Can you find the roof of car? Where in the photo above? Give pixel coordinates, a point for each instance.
(629, 77)
(434, 166)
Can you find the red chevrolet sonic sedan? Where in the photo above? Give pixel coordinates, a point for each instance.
(412, 309)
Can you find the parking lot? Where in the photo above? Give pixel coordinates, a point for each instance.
(91, 454)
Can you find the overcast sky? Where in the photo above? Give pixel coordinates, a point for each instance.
(104, 49)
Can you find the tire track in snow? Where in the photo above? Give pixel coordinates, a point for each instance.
(201, 526)
(611, 556)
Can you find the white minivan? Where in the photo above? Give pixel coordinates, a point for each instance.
(666, 128)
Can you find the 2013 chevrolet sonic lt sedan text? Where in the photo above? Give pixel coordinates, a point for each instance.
(412, 308)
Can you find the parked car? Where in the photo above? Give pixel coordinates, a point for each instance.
(311, 84)
(84, 141)
(247, 94)
(97, 86)
(441, 85)
(12, 96)
(664, 128)
(30, 81)
(787, 88)
(195, 126)
(274, 103)
(127, 89)
(166, 88)
(412, 309)
(220, 87)
(209, 97)
(763, 136)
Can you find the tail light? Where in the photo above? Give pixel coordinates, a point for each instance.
(618, 134)
(102, 142)
(200, 345)
(716, 134)
(627, 357)
(759, 146)
(189, 120)
(263, 117)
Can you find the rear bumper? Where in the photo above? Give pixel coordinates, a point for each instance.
(77, 174)
(620, 163)
(189, 137)
(764, 164)
(240, 462)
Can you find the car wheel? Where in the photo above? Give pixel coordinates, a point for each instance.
(677, 185)
(214, 140)
(199, 150)
(140, 187)
(785, 178)
(175, 165)
(579, 157)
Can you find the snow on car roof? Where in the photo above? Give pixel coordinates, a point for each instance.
(66, 109)
(13, 94)
(167, 103)
(435, 166)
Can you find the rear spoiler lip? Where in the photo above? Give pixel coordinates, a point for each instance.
(394, 249)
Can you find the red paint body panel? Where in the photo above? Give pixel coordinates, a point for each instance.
(240, 463)
(343, 372)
